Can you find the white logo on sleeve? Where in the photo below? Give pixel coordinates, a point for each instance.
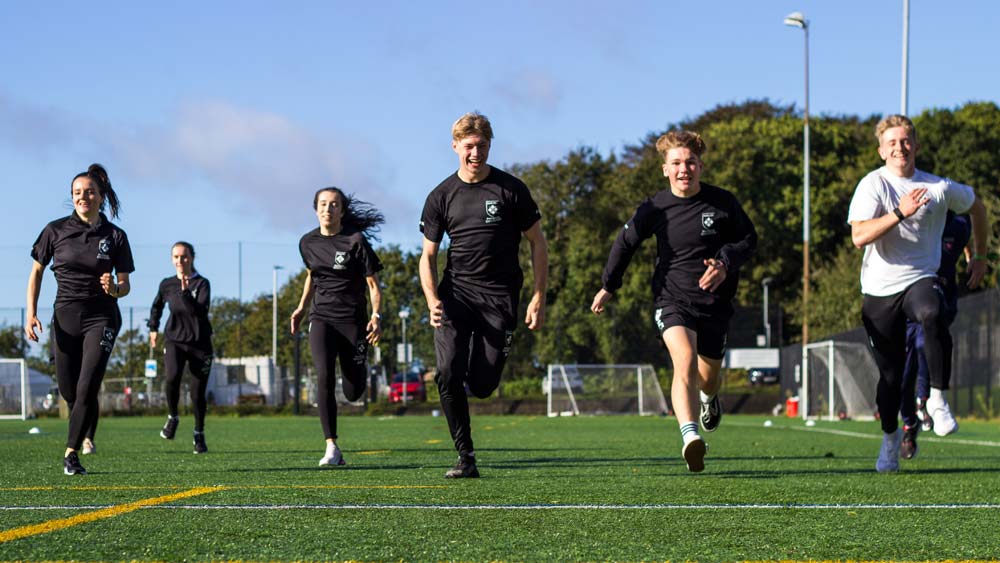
(493, 211)
(340, 261)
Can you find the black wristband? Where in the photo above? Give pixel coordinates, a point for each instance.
(898, 214)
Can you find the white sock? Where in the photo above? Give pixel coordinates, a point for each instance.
(689, 432)
(937, 396)
(705, 398)
(330, 447)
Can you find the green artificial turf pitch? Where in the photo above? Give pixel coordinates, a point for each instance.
(565, 489)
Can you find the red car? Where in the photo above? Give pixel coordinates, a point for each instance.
(415, 390)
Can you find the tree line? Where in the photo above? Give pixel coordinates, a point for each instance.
(754, 150)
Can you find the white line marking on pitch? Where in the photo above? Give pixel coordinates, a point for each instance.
(989, 506)
(874, 436)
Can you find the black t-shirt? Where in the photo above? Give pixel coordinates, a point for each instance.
(484, 221)
(710, 224)
(80, 254)
(188, 320)
(339, 265)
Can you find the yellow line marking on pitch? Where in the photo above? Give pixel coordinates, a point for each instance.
(373, 452)
(53, 525)
(363, 487)
(227, 487)
(432, 441)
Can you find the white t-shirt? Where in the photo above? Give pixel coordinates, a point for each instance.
(911, 250)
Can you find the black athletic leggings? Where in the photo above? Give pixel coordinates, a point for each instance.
(197, 356)
(885, 322)
(472, 346)
(329, 341)
(83, 335)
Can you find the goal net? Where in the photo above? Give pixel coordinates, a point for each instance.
(574, 389)
(15, 389)
(841, 378)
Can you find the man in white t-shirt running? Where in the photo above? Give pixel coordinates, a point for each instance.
(897, 216)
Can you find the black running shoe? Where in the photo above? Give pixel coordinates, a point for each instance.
(694, 455)
(711, 414)
(926, 422)
(71, 465)
(908, 447)
(170, 428)
(199, 443)
(464, 469)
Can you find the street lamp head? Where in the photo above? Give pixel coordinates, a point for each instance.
(766, 281)
(279, 267)
(796, 19)
(404, 313)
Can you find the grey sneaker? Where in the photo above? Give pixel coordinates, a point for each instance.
(888, 454)
(464, 469)
(711, 414)
(908, 447)
(333, 457)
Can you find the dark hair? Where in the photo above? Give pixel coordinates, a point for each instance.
(99, 176)
(358, 214)
(187, 245)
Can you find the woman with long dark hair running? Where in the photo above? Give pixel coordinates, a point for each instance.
(84, 248)
(340, 264)
(188, 339)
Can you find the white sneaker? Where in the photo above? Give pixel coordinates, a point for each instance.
(888, 454)
(88, 447)
(944, 422)
(332, 457)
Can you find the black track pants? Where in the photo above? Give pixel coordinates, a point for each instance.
(198, 357)
(329, 341)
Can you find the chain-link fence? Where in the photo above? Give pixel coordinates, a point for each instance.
(975, 360)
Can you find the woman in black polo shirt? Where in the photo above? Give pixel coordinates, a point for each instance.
(188, 339)
(340, 265)
(84, 249)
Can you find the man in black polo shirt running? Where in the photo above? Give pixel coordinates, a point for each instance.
(484, 211)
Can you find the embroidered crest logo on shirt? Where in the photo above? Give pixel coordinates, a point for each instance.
(340, 261)
(492, 211)
(708, 223)
(103, 248)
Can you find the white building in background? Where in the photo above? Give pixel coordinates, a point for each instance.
(253, 375)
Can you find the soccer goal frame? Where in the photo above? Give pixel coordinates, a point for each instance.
(566, 378)
(840, 378)
(25, 393)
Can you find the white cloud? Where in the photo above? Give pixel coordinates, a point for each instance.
(530, 89)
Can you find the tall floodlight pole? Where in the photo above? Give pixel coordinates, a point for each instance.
(905, 96)
(796, 19)
(404, 314)
(766, 282)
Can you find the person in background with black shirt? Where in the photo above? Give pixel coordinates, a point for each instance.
(188, 339)
(484, 211)
(703, 237)
(84, 249)
(340, 264)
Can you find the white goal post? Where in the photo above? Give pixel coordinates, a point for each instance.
(840, 379)
(15, 389)
(574, 389)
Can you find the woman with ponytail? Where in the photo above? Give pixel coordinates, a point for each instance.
(91, 259)
(340, 266)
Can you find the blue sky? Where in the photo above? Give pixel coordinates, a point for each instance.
(218, 120)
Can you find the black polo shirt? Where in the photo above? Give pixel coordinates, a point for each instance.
(339, 265)
(484, 221)
(188, 320)
(80, 254)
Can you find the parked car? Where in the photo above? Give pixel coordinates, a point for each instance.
(415, 389)
(763, 376)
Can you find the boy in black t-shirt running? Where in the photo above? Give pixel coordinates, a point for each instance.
(484, 211)
(702, 238)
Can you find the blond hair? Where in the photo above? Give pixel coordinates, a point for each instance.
(895, 120)
(681, 139)
(472, 123)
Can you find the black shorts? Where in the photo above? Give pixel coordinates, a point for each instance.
(711, 328)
